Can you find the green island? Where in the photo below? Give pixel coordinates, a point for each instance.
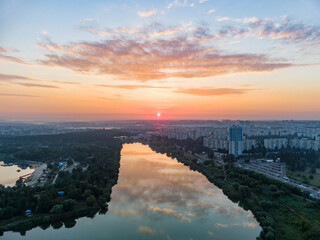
(82, 168)
(283, 211)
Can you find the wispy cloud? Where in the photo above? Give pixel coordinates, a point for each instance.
(169, 212)
(87, 20)
(16, 95)
(2, 49)
(221, 19)
(148, 13)
(186, 54)
(71, 83)
(12, 59)
(7, 58)
(211, 11)
(144, 229)
(286, 30)
(181, 3)
(221, 225)
(207, 91)
(36, 85)
(9, 78)
(250, 224)
(131, 87)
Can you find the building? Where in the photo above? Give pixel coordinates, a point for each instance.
(248, 144)
(235, 140)
(275, 143)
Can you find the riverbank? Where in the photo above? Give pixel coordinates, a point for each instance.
(281, 209)
(25, 223)
(74, 193)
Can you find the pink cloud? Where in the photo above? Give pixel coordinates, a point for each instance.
(182, 56)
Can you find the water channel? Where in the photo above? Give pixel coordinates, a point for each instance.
(158, 198)
(9, 174)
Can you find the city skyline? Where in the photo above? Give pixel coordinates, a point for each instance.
(199, 59)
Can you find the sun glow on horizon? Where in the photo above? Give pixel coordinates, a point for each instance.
(158, 114)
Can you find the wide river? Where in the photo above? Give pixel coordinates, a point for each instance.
(158, 198)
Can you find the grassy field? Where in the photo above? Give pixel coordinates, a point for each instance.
(302, 176)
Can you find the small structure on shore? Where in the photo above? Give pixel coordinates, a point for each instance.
(28, 212)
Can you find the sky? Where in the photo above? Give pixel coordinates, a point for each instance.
(185, 59)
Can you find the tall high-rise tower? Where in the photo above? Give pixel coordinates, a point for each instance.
(235, 138)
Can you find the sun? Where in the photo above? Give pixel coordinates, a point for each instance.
(158, 114)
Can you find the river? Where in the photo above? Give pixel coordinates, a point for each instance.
(157, 197)
(10, 174)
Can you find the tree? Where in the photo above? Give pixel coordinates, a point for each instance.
(57, 209)
(235, 186)
(45, 203)
(91, 200)
(68, 205)
(229, 158)
(273, 188)
(270, 235)
(244, 191)
(265, 204)
(69, 162)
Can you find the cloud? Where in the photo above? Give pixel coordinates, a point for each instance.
(144, 229)
(92, 30)
(126, 212)
(157, 31)
(9, 78)
(250, 224)
(87, 20)
(221, 225)
(187, 55)
(171, 212)
(6, 58)
(147, 13)
(36, 85)
(207, 91)
(11, 59)
(211, 11)
(221, 19)
(181, 3)
(126, 30)
(44, 32)
(203, 1)
(16, 95)
(16, 79)
(247, 20)
(72, 83)
(131, 87)
(285, 30)
(2, 49)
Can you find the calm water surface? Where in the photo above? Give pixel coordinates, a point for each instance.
(9, 174)
(158, 198)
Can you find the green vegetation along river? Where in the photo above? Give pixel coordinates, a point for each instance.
(157, 197)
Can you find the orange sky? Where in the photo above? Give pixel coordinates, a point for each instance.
(211, 64)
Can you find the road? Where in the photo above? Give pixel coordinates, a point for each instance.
(33, 179)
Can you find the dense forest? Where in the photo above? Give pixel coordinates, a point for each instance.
(283, 211)
(83, 191)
